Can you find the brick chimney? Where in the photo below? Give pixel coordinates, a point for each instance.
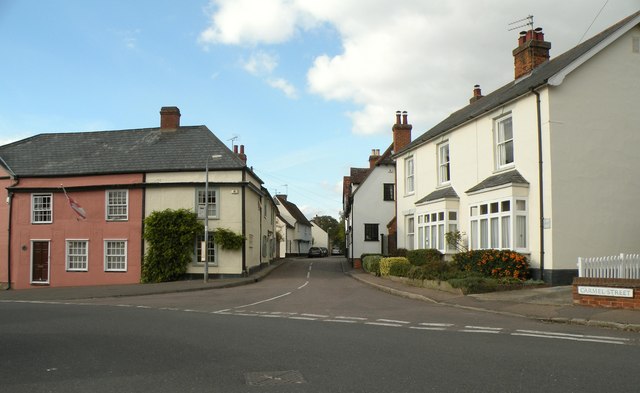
(169, 118)
(532, 51)
(401, 132)
(373, 158)
(477, 94)
(242, 156)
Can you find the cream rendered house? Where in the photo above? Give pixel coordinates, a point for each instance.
(298, 227)
(236, 198)
(546, 165)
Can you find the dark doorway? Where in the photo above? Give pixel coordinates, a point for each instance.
(40, 263)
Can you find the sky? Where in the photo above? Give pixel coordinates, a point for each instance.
(309, 87)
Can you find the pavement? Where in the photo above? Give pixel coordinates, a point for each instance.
(552, 304)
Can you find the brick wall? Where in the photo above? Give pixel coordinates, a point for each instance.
(607, 301)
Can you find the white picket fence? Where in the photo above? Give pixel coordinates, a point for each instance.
(617, 266)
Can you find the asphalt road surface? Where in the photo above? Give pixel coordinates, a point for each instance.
(306, 328)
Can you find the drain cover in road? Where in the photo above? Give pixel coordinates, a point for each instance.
(268, 378)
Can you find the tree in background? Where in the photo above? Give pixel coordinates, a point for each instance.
(334, 228)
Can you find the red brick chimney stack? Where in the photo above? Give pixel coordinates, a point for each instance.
(532, 51)
(235, 149)
(169, 118)
(477, 94)
(401, 132)
(242, 156)
(373, 158)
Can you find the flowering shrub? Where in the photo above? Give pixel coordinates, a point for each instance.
(386, 263)
(494, 263)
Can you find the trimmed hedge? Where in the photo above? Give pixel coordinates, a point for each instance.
(494, 263)
(371, 264)
(386, 263)
(422, 256)
(399, 269)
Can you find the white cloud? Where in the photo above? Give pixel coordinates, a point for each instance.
(261, 63)
(415, 55)
(283, 85)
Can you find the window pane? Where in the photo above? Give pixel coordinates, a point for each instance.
(521, 205)
(474, 235)
(495, 233)
(441, 237)
(494, 207)
(484, 233)
(453, 216)
(441, 216)
(508, 152)
(474, 211)
(211, 250)
(452, 228)
(434, 217)
(506, 232)
(434, 236)
(521, 232)
(420, 237)
(115, 255)
(484, 209)
(506, 206)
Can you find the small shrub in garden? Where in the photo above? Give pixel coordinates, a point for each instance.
(399, 269)
(385, 264)
(494, 263)
(474, 284)
(400, 252)
(433, 270)
(422, 256)
(371, 264)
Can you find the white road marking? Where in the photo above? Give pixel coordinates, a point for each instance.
(270, 316)
(266, 300)
(315, 315)
(482, 328)
(304, 285)
(436, 324)
(351, 318)
(479, 331)
(339, 320)
(304, 318)
(384, 324)
(393, 321)
(572, 335)
(568, 338)
(427, 328)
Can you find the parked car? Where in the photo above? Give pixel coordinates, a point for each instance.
(325, 251)
(314, 252)
(336, 251)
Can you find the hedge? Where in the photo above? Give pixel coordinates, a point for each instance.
(494, 263)
(422, 256)
(371, 264)
(386, 263)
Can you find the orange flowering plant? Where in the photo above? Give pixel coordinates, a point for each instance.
(494, 263)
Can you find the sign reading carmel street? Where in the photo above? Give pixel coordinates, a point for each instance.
(605, 291)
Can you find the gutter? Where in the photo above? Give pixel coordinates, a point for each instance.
(540, 182)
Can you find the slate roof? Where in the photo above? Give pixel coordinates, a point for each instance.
(538, 77)
(293, 210)
(511, 177)
(447, 192)
(123, 151)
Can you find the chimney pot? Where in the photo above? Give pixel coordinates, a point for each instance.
(169, 118)
(404, 117)
(235, 149)
(397, 117)
(477, 94)
(242, 156)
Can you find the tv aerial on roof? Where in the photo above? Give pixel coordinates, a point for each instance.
(524, 22)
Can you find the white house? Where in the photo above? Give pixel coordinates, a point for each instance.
(369, 199)
(298, 240)
(546, 165)
(236, 198)
(284, 231)
(320, 236)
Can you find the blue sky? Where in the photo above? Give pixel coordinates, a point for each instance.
(308, 86)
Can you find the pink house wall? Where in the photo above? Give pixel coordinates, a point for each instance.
(5, 182)
(90, 193)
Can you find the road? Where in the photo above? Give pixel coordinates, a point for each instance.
(306, 328)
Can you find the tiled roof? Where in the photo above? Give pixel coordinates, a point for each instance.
(293, 210)
(124, 151)
(358, 175)
(448, 192)
(511, 177)
(538, 77)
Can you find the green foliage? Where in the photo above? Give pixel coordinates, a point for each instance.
(366, 254)
(400, 252)
(454, 239)
(399, 269)
(228, 239)
(433, 270)
(334, 228)
(422, 256)
(494, 263)
(474, 284)
(371, 264)
(386, 263)
(170, 234)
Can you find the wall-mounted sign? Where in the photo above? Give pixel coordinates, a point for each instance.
(605, 291)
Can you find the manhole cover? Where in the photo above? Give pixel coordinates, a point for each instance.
(266, 378)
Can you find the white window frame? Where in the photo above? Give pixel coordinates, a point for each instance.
(409, 175)
(212, 206)
(212, 250)
(84, 264)
(36, 212)
(444, 163)
(107, 256)
(117, 216)
(502, 144)
(488, 221)
(433, 227)
(411, 228)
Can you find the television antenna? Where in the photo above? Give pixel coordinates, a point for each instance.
(233, 140)
(524, 22)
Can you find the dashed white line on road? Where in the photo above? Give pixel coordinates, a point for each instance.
(340, 320)
(482, 327)
(384, 324)
(393, 321)
(436, 324)
(315, 315)
(352, 318)
(427, 328)
(304, 318)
